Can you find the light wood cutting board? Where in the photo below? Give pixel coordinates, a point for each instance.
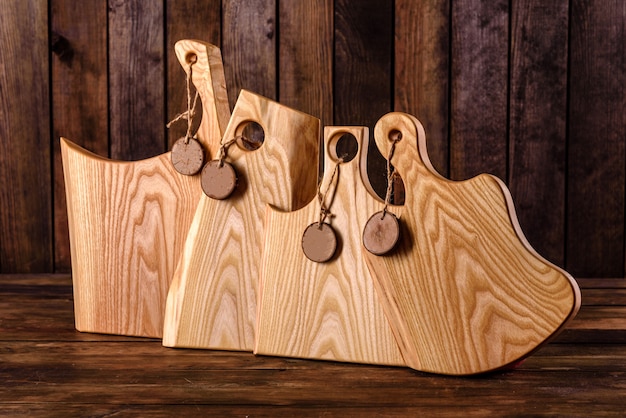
(325, 310)
(213, 297)
(128, 220)
(464, 291)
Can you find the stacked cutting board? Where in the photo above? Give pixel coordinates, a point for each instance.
(462, 292)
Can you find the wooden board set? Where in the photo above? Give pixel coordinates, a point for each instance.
(462, 292)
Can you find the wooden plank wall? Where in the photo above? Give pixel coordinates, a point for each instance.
(529, 90)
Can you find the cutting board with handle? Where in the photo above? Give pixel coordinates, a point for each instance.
(128, 220)
(464, 291)
(212, 301)
(325, 310)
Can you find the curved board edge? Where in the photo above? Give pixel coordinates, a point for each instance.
(402, 315)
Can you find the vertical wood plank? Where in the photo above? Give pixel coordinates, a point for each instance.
(136, 74)
(363, 72)
(79, 96)
(25, 168)
(479, 88)
(596, 145)
(306, 57)
(363, 61)
(249, 47)
(538, 114)
(422, 71)
(186, 19)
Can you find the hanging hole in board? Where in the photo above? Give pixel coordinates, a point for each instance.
(251, 136)
(345, 147)
(397, 193)
(377, 174)
(395, 135)
(191, 58)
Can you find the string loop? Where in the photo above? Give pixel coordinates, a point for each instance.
(191, 105)
(391, 174)
(223, 151)
(324, 206)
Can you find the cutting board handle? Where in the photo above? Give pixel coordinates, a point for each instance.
(464, 291)
(208, 78)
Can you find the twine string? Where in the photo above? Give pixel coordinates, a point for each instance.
(221, 155)
(191, 105)
(324, 206)
(223, 151)
(391, 174)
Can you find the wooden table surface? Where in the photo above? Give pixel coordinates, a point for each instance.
(49, 369)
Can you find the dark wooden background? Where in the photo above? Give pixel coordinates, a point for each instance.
(532, 91)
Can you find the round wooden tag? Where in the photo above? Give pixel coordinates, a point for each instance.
(319, 244)
(381, 233)
(187, 158)
(218, 182)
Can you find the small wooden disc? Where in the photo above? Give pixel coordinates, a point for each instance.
(187, 156)
(381, 233)
(319, 244)
(218, 182)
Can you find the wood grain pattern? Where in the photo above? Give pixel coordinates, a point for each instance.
(249, 32)
(422, 70)
(26, 242)
(494, 126)
(464, 291)
(128, 220)
(538, 109)
(305, 61)
(136, 79)
(363, 62)
(213, 295)
(325, 310)
(305, 58)
(479, 87)
(597, 139)
(79, 83)
(47, 368)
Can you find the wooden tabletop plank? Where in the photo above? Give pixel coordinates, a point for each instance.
(608, 283)
(604, 297)
(48, 367)
(117, 373)
(43, 410)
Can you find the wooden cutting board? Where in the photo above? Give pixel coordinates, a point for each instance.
(128, 220)
(464, 291)
(213, 297)
(325, 310)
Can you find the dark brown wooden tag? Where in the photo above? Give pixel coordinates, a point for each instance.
(218, 180)
(187, 156)
(381, 233)
(319, 243)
